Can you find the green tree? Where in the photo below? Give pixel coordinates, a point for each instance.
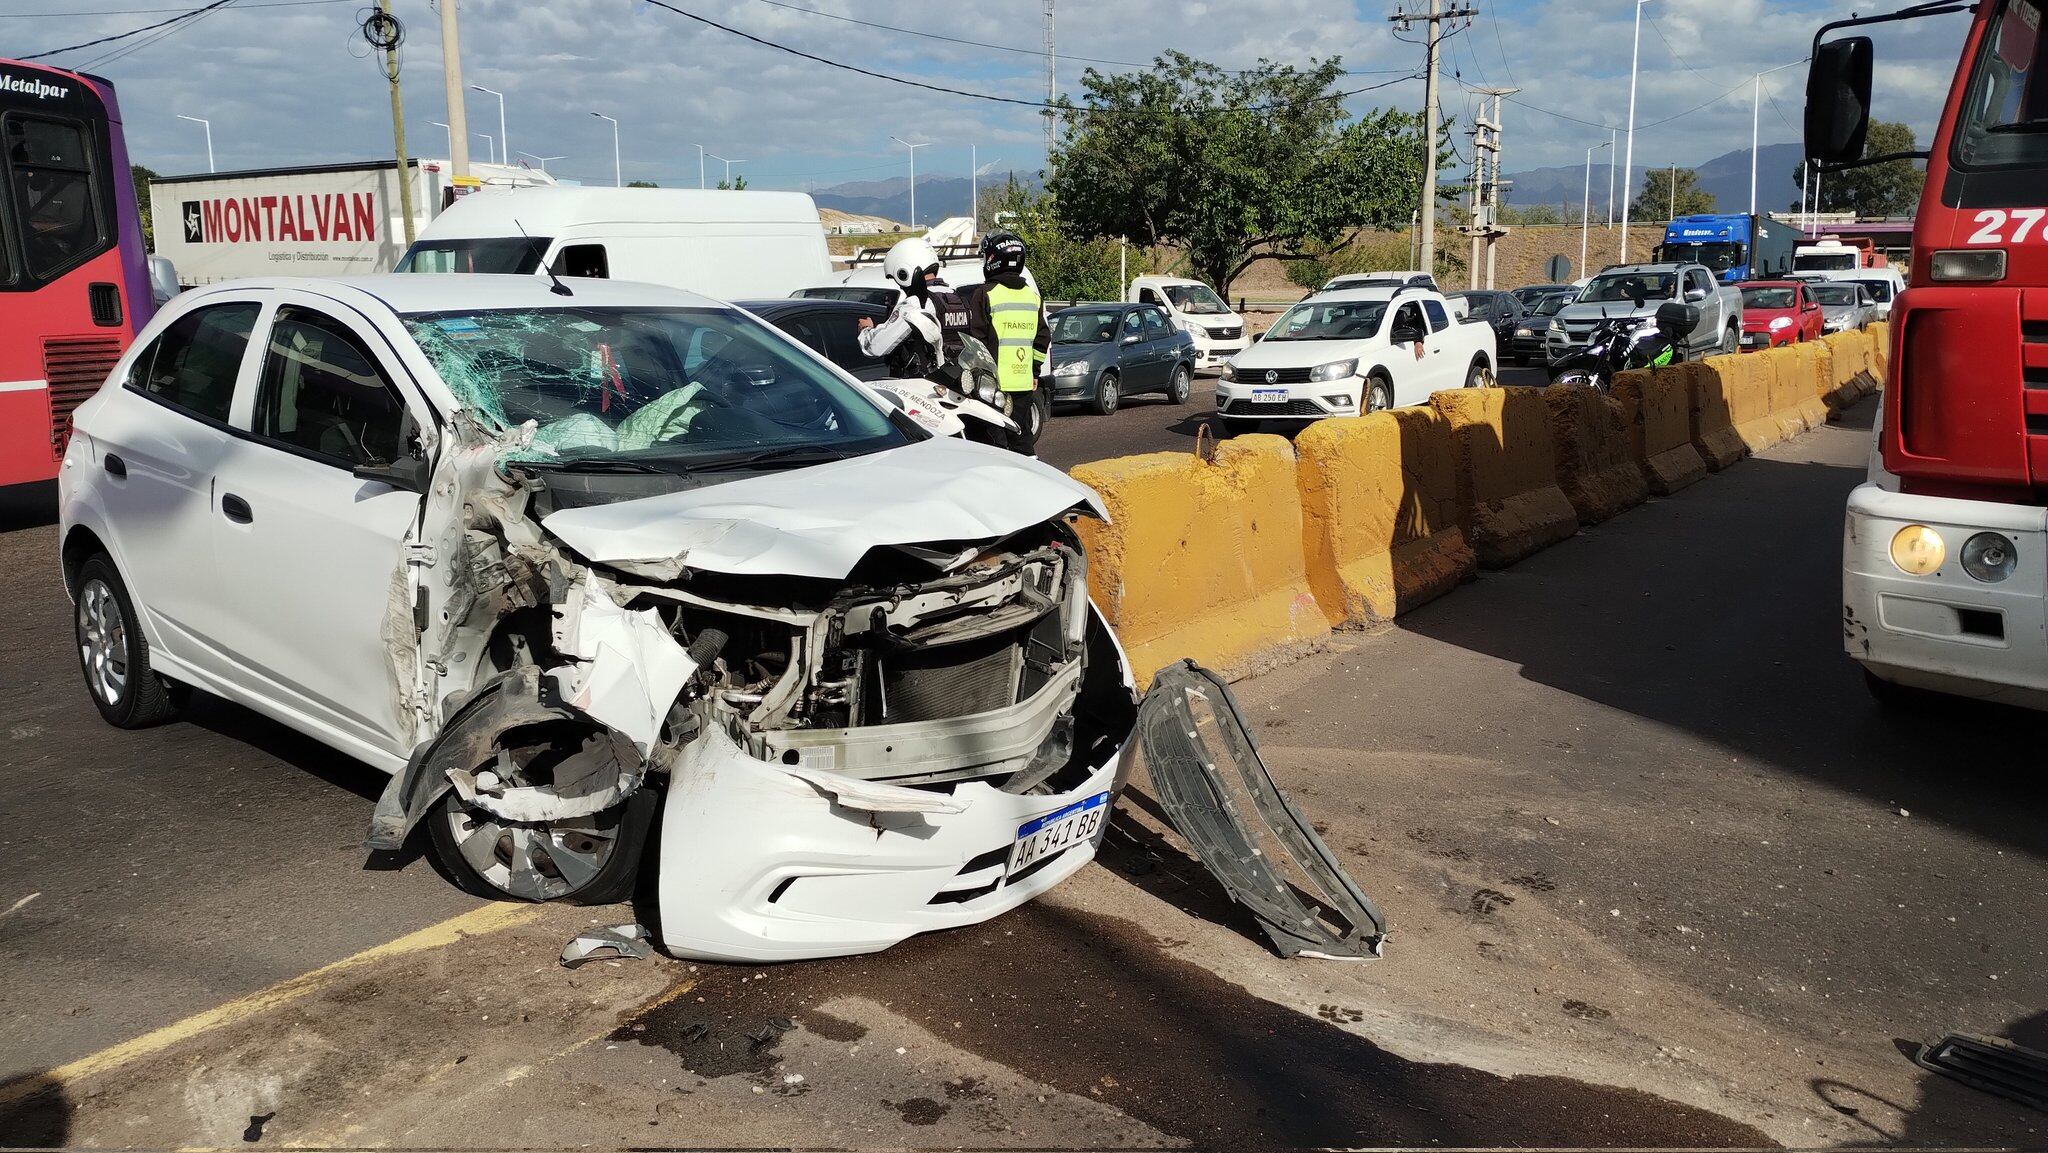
(142, 175)
(1066, 265)
(1657, 201)
(1231, 167)
(1888, 189)
(642, 184)
(736, 184)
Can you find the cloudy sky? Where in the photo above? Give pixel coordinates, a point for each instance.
(289, 82)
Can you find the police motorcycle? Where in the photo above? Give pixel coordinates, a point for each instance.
(1621, 343)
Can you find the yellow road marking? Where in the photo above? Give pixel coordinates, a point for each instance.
(489, 919)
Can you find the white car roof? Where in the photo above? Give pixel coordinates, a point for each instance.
(1362, 292)
(413, 292)
(545, 211)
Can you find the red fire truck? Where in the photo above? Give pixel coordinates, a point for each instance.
(74, 279)
(1945, 548)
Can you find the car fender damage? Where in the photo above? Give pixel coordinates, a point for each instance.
(873, 695)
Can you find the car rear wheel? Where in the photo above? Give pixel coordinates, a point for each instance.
(1475, 376)
(1379, 394)
(1181, 386)
(114, 655)
(1108, 393)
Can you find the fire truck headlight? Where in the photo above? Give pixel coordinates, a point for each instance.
(1918, 550)
(1989, 557)
(1967, 264)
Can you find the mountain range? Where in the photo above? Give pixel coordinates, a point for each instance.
(1725, 176)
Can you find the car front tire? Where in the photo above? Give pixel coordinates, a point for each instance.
(1108, 393)
(592, 860)
(114, 655)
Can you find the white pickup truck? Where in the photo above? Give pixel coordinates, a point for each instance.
(1354, 350)
(1194, 308)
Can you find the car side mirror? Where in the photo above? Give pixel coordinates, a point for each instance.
(1133, 338)
(409, 472)
(1838, 100)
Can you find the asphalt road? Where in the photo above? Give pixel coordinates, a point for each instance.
(1658, 873)
(1151, 424)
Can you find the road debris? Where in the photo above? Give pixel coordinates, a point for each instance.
(628, 942)
(1990, 1064)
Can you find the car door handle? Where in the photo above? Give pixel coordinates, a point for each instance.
(115, 466)
(235, 508)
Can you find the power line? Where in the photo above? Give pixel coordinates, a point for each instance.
(186, 15)
(154, 11)
(1502, 45)
(972, 95)
(1038, 52)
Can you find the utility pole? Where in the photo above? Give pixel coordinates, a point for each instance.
(1486, 185)
(385, 32)
(1613, 138)
(973, 189)
(1628, 165)
(1434, 19)
(1052, 86)
(451, 85)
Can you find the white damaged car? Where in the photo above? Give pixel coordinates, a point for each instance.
(558, 555)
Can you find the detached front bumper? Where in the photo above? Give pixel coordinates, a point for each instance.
(763, 864)
(1947, 631)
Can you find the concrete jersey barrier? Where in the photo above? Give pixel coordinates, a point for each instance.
(1597, 469)
(1656, 405)
(1379, 503)
(1712, 396)
(1201, 559)
(1509, 501)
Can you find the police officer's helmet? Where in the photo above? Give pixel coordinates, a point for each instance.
(1002, 255)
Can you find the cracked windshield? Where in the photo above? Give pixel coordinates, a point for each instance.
(659, 387)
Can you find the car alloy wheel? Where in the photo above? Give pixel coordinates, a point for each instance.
(103, 643)
(1379, 396)
(1108, 393)
(1183, 384)
(534, 862)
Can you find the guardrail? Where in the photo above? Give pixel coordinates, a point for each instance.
(1256, 553)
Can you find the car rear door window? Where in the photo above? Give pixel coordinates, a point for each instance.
(193, 365)
(323, 395)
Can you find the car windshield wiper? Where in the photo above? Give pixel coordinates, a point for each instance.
(585, 464)
(790, 454)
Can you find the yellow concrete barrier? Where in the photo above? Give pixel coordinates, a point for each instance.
(1849, 370)
(1379, 503)
(1881, 353)
(1596, 469)
(1200, 559)
(1802, 380)
(1656, 405)
(1712, 390)
(1508, 499)
(1748, 383)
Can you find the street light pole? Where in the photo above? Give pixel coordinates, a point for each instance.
(1756, 107)
(490, 146)
(913, 176)
(451, 137)
(505, 152)
(618, 173)
(1628, 164)
(1613, 139)
(700, 167)
(208, 125)
(1586, 203)
(973, 189)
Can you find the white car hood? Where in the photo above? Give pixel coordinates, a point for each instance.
(819, 521)
(1298, 354)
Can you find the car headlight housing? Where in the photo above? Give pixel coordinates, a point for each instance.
(1780, 322)
(1072, 368)
(1989, 557)
(1525, 332)
(1556, 325)
(1918, 550)
(1229, 371)
(1335, 370)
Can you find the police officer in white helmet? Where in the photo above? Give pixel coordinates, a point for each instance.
(921, 335)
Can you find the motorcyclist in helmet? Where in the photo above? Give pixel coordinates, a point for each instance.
(1005, 312)
(920, 338)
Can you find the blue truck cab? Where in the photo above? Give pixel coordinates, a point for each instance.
(1736, 247)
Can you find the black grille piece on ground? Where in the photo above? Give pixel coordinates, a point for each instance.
(1991, 1064)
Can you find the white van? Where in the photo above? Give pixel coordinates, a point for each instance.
(721, 244)
(1195, 309)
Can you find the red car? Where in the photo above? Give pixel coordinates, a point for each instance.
(1776, 312)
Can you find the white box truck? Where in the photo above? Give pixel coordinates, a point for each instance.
(723, 244)
(323, 220)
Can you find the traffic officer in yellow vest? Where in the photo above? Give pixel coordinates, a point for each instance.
(1005, 313)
